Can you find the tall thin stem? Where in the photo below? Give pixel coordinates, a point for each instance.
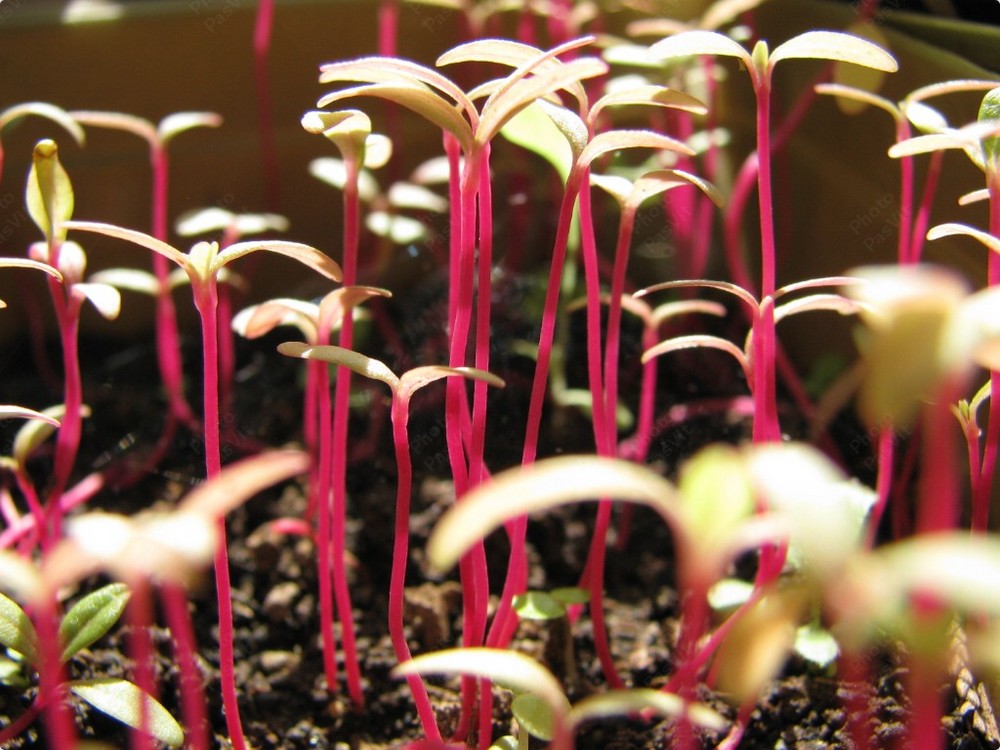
(341, 417)
(983, 488)
(765, 424)
(400, 552)
(206, 301)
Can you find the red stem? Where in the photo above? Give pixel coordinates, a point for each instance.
(341, 416)
(168, 347)
(765, 424)
(193, 702)
(923, 216)
(905, 240)
(937, 505)
(140, 619)
(400, 553)
(883, 485)
(504, 619)
(206, 301)
(324, 535)
(605, 432)
(67, 310)
(983, 487)
(61, 731)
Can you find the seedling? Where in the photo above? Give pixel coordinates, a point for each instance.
(552, 607)
(823, 45)
(402, 387)
(202, 264)
(544, 710)
(85, 622)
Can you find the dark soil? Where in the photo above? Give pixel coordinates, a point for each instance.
(285, 702)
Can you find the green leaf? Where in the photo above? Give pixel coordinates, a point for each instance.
(534, 715)
(506, 103)
(569, 595)
(533, 129)
(124, 700)
(32, 434)
(92, 617)
(49, 194)
(538, 605)
(990, 110)
(716, 494)
(16, 631)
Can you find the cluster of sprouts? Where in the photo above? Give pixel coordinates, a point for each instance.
(621, 130)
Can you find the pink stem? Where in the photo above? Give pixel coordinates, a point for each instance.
(905, 197)
(61, 731)
(175, 608)
(983, 487)
(341, 416)
(517, 564)
(22, 722)
(765, 426)
(140, 618)
(324, 552)
(206, 301)
(80, 493)
(605, 433)
(400, 553)
(883, 485)
(67, 309)
(937, 505)
(168, 347)
(923, 216)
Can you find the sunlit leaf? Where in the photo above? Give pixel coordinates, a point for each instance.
(538, 605)
(618, 703)
(50, 112)
(699, 42)
(412, 380)
(131, 235)
(534, 715)
(535, 128)
(49, 194)
(542, 486)
(416, 97)
(510, 669)
(315, 259)
(835, 45)
(337, 355)
(125, 701)
(104, 297)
